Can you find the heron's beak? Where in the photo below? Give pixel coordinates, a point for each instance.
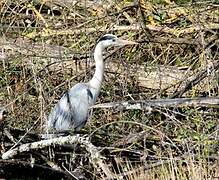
(126, 42)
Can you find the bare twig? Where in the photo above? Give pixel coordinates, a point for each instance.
(131, 138)
(195, 81)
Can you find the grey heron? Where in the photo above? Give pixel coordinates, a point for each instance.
(72, 110)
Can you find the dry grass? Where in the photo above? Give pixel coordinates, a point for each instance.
(47, 47)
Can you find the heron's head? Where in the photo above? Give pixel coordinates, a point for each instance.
(111, 40)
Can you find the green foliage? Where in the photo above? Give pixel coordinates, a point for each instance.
(161, 16)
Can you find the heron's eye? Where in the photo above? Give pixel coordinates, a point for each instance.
(113, 40)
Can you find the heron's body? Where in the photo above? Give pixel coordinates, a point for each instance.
(72, 110)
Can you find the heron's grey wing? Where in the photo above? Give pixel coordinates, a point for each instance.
(72, 109)
(81, 98)
(60, 117)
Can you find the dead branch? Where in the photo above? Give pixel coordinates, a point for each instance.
(39, 145)
(95, 158)
(148, 104)
(29, 48)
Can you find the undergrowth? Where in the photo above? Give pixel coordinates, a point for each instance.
(47, 48)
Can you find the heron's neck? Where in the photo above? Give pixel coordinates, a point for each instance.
(97, 79)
